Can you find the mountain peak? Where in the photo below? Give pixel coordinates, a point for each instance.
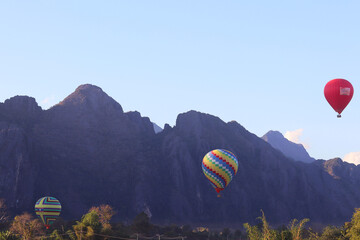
(91, 97)
(337, 168)
(273, 135)
(23, 103)
(21, 107)
(88, 86)
(288, 148)
(275, 138)
(197, 119)
(89, 89)
(197, 123)
(83, 92)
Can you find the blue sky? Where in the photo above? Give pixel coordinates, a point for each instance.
(261, 63)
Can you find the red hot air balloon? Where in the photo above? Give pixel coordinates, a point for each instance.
(338, 92)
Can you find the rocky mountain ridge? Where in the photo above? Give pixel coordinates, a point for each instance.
(86, 151)
(288, 148)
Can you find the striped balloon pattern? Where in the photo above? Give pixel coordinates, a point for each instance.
(220, 166)
(48, 209)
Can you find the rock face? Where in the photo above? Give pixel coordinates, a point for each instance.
(288, 148)
(86, 151)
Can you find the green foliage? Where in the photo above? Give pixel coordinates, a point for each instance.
(7, 235)
(92, 220)
(121, 230)
(71, 235)
(253, 232)
(296, 228)
(267, 232)
(27, 227)
(353, 228)
(332, 233)
(171, 231)
(285, 234)
(105, 213)
(88, 226)
(311, 235)
(3, 211)
(141, 224)
(55, 235)
(262, 233)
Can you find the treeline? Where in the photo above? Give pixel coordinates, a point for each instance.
(96, 225)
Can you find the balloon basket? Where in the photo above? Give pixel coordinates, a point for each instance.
(339, 116)
(219, 196)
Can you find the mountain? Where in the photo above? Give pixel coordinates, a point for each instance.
(157, 129)
(288, 148)
(87, 151)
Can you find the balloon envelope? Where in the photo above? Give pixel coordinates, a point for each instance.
(219, 166)
(48, 209)
(338, 92)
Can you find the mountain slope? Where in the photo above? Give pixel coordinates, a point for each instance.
(86, 151)
(288, 148)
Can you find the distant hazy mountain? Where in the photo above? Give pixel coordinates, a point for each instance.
(288, 148)
(86, 151)
(157, 129)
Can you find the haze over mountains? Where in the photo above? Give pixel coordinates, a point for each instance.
(87, 151)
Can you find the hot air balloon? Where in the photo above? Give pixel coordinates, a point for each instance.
(48, 209)
(219, 166)
(338, 92)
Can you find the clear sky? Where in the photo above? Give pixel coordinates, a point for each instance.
(261, 63)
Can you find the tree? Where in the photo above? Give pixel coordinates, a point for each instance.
(353, 228)
(311, 235)
(264, 232)
(225, 234)
(55, 235)
(121, 230)
(141, 224)
(296, 228)
(332, 233)
(88, 227)
(171, 231)
(267, 232)
(7, 235)
(105, 213)
(27, 227)
(3, 214)
(285, 234)
(237, 234)
(253, 232)
(71, 235)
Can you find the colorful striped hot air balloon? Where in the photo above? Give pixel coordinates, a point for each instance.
(48, 209)
(220, 166)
